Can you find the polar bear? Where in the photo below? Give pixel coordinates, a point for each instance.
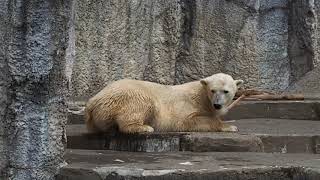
(134, 106)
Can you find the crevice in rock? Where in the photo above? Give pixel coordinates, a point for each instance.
(188, 11)
(301, 41)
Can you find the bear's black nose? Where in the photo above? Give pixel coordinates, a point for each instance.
(217, 106)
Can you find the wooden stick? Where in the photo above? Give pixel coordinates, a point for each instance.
(234, 103)
(252, 94)
(249, 92)
(265, 96)
(277, 97)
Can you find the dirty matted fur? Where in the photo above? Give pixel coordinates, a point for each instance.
(142, 106)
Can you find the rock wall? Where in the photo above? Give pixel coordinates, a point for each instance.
(309, 84)
(3, 87)
(269, 44)
(33, 85)
(303, 46)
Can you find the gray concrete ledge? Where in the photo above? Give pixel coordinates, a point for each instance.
(300, 110)
(256, 135)
(103, 165)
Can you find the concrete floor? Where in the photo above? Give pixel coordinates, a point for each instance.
(98, 165)
(283, 144)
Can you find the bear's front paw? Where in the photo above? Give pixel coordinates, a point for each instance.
(148, 129)
(137, 129)
(230, 128)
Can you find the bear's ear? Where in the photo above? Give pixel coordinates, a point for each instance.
(239, 83)
(203, 82)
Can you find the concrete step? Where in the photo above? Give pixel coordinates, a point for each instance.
(255, 135)
(105, 165)
(300, 110)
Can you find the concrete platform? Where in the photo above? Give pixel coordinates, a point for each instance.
(278, 140)
(299, 110)
(103, 165)
(255, 135)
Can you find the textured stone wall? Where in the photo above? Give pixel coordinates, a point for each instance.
(3, 87)
(309, 84)
(33, 85)
(270, 44)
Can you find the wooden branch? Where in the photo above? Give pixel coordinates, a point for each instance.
(277, 97)
(249, 92)
(253, 94)
(234, 103)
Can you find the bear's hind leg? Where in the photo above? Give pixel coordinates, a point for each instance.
(133, 124)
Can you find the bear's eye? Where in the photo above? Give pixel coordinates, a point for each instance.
(225, 91)
(213, 91)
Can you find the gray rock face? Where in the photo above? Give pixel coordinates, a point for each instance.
(309, 84)
(101, 165)
(267, 43)
(304, 41)
(3, 88)
(33, 85)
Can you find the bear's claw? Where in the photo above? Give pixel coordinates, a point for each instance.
(148, 129)
(230, 128)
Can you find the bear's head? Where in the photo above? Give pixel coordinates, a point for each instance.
(221, 89)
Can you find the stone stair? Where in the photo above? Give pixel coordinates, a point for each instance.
(277, 140)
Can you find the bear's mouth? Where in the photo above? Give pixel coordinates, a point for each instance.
(217, 106)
